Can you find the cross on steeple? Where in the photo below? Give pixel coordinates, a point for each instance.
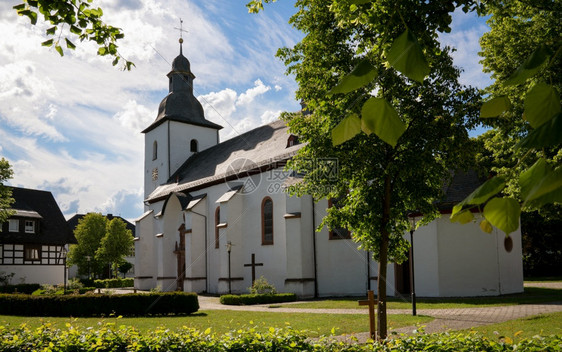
(181, 34)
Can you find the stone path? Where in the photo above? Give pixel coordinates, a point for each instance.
(444, 319)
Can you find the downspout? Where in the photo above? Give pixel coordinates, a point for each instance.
(206, 258)
(314, 249)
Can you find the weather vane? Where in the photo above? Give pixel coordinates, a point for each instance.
(181, 33)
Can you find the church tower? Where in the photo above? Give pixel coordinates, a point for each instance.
(180, 129)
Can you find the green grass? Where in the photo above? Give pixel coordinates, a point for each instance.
(543, 279)
(544, 324)
(224, 321)
(531, 295)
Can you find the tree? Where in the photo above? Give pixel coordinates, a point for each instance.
(116, 243)
(394, 132)
(71, 19)
(89, 233)
(6, 199)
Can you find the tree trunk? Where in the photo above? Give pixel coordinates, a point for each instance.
(383, 259)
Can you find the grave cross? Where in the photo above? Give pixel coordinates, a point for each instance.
(370, 301)
(253, 264)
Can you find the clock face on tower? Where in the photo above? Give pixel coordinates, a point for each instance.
(155, 174)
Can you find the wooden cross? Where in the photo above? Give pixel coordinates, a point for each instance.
(253, 264)
(371, 302)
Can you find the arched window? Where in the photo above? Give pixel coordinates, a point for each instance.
(193, 146)
(154, 150)
(217, 222)
(267, 221)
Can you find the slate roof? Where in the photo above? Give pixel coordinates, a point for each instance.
(462, 184)
(73, 221)
(42, 206)
(249, 153)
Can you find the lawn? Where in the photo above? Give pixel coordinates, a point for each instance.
(224, 321)
(543, 324)
(531, 295)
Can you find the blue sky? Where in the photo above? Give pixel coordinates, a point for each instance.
(72, 125)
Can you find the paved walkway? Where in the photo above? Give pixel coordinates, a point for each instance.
(444, 319)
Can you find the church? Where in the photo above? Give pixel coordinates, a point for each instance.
(217, 217)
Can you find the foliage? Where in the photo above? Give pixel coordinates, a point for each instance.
(255, 298)
(383, 103)
(115, 244)
(99, 304)
(19, 288)
(523, 52)
(262, 287)
(114, 283)
(89, 233)
(6, 199)
(74, 19)
(124, 267)
(109, 337)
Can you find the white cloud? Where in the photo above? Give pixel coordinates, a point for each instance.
(270, 116)
(278, 87)
(252, 93)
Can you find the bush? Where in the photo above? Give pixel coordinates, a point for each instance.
(237, 300)
(111, 338)
(99, 305)
(262, 287)
(21, 288)
(114, 283)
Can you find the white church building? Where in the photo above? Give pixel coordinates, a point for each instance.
(216, 214)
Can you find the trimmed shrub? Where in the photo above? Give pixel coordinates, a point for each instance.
(21, 288)
(99, 305)
(114, 283)
(111, 338)
(237, 300)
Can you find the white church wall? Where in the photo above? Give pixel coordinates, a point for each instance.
(468, 259)
(145, 253)
(195, 249)
(181, 135)
(160, 135)
(172, 220)
(426, 260)
(510, 263)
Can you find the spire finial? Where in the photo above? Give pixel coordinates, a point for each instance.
(181, 34)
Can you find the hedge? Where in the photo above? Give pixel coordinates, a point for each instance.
(111, 338)
(99, 305)
(21, 288)
(237, 300)
(114, 283)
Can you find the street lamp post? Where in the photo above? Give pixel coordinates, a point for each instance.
(229, 249)
(412, 219)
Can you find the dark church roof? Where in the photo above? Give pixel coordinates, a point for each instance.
(461, 185)
(248, 153)
(180, 104)
(40, 206)
(73, 221)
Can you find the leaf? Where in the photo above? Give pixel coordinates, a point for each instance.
(348, 128)
(51, 31)
(503, 213)
(464, 217)
(359, 2)
(495, 107)
(115, 61)
(59, 49)
(360, 76)
(546, 135)
(47, 42)
(551, 182)
(532, 176)
(542, 102)
(488, 189)
(75, 30)
(406, 56)
(69, 44)
(486, 226)
(207, 331)
(380, 118)
(529, 67)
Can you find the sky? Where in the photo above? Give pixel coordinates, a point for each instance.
(72, 125)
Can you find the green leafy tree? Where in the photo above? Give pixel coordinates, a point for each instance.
(89, 232)
(115, 244)
(6, 199)
(124, 267)
(393, 117)
(71, 19)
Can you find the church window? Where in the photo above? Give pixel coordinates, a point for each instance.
(337, 233)
(154, 150)
(267, 221)
(193, 146)
(14, 225)
(217, 222)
